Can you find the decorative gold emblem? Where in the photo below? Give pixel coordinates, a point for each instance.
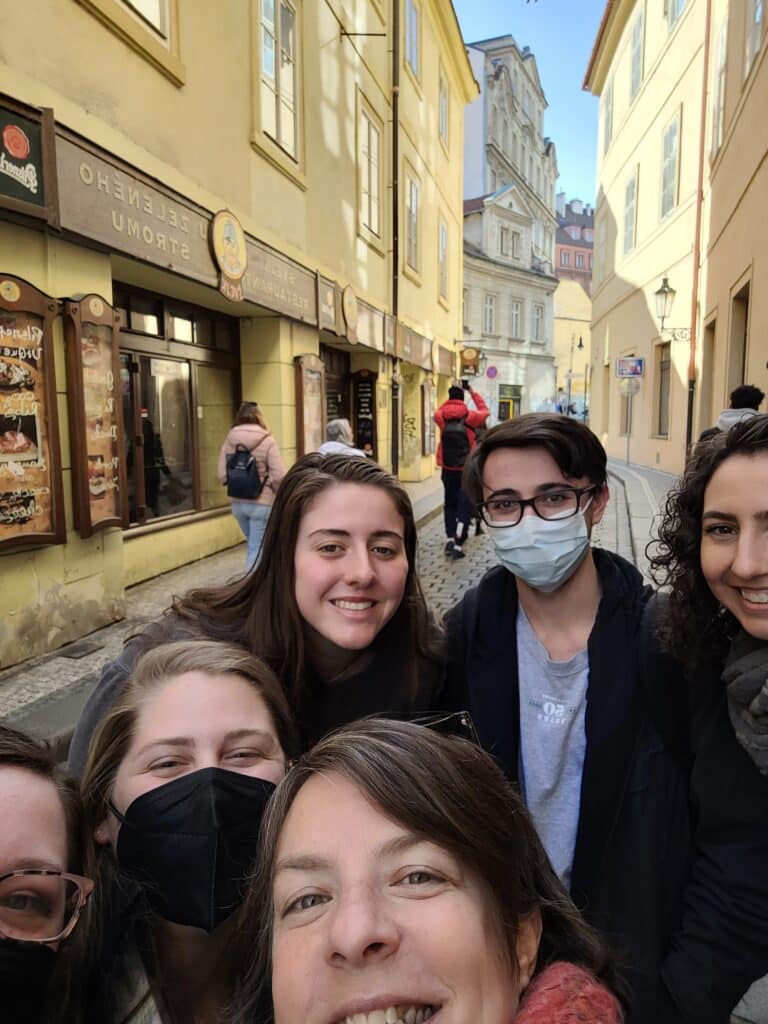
(96, 306)
(10, 291)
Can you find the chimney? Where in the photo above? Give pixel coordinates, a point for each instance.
(560, 204)
(577, 206)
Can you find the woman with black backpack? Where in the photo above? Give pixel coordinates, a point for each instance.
(251, 466)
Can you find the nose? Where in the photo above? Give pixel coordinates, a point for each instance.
(358, 567)
(751, 555)
(362, 932)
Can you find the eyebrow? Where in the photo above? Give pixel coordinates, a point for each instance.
(346, 533)
(31, 864)
(310, 862)
(541, 489)
(188, 741)
(728, 517)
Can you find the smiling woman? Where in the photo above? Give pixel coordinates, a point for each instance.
(401, 876)
(334, 606)
(713, 554)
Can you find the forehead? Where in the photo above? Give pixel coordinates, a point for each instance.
(739, 485)
(201, 704)
(351, 506)
(34, 827)
(522, 469)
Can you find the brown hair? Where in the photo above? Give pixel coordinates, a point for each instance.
(695, 628)
(250, 412)
(451, 793)
(260, 609)
(573, 446)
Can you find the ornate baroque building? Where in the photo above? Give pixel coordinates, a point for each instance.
(510, 170)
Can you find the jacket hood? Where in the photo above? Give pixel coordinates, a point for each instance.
(454, 409)
(246, 433)
(730, 417)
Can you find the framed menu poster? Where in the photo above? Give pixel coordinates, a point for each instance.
(310, 403)
(99, 483)
(364, 411)
(31, 505)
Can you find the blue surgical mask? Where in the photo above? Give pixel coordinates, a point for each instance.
(542, 552)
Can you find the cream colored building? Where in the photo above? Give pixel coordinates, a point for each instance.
(572, 346)
(327, 137)
(681, 195)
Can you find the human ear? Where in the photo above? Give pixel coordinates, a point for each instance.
(527, 946)
(596, 508)
(101, 833)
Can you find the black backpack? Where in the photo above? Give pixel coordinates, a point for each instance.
(243, 480)
(455, 443)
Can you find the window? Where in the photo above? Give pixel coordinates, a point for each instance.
(527, 103)
(630, 206)
(636, 66)
(412, 213)
(718, 104)
(516, 242)
(669, 166)
(154, 12)
(465, 307)
(413, 36)
(489, 314)
(442, 259)
(517, 318)
(579, 260)
(530, 168)
(590, 261)
(674, 8)
(370, 173)
(664, 362)
(513, 153)
(279, 84)
(504, 241)
(504, 135)
(565, 258)
(600, 268)
(443, 107)
(753, 33)
(607, 115)
(539, 331)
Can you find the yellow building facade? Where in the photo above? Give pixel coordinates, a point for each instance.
(201, 204)
(681, 196)
(573, 346)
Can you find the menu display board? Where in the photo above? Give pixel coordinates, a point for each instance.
(310, 403)
(428, 440)
(31, 507)
(364, 411)
(96, 426)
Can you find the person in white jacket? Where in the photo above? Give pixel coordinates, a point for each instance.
(339, 439)
(250, 429)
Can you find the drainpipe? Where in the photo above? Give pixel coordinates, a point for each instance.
(697, 233)
(395, 155)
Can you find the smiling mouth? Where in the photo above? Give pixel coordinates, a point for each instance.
(415, 1013)
(754, 596)
(353, 606)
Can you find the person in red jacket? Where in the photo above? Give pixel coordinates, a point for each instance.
(457, 425)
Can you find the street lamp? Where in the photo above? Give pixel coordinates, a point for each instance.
(665, 297)
(580, 347)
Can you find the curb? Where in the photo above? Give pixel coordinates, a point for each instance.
(620, 480)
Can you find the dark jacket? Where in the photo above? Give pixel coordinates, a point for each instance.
(455, 409)
(672, 843)
(378, 683)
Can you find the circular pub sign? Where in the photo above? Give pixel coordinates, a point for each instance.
(228, 244)
(492, 372)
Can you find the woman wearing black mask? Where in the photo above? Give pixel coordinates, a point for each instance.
(174, 789)
(42, 893)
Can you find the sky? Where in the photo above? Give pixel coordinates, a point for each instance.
(561, 34)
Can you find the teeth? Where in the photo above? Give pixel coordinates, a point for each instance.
(390, 1016)
(354, 606)
(393, 1015)
(755, 596)
(410, 1015)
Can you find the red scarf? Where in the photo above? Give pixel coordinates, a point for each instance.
(566, 994)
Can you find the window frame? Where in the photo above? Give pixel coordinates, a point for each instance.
(443, 248)
(607, 117)
(489, 306)
(443, 108)
(637, 54)
(466, 299)
(517, 316)
(565, 258)
(369, 122)
(674, 122)
(505, 235)
(630, 212)
(162, 52)
(412, 27)
(673, 10)
(412, 220)
(579, 264)
(718, 92)
(753, 33)
(537, 322)
(663, 396)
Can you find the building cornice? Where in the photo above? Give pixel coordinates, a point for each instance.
(615, 17)
(445, 15)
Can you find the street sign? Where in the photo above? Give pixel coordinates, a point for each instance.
(629, 366)
(629, 385)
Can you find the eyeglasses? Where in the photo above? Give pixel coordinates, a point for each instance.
(501, 509)
(37, 905)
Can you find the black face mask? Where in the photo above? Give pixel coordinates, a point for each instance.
(25, 972)
(191, 843)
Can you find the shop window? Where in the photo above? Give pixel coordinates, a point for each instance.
(510, 399)
(279, 74)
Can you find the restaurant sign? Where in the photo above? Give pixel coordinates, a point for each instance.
(27, 168)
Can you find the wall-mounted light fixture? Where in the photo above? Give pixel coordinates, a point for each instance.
(665, 298)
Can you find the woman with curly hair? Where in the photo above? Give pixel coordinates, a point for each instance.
(712, 554)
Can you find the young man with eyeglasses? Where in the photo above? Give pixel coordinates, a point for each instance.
(649, 811)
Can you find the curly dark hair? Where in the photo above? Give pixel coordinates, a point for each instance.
(696, 628)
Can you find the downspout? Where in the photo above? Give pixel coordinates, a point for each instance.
(697, 234)
(395, 156)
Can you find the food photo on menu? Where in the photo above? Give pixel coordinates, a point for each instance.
(15, 375)
(18, 438)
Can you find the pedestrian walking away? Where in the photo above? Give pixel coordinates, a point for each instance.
(654, 818)
(251, 466)
(745, 403)
(339, 439)
(457, 424)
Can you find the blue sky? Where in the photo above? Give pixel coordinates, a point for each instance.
(561, 40)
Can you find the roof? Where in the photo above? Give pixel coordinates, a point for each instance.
(563, 238)
(470, 249)
(475, 205)
(584, 220)
(509, 42)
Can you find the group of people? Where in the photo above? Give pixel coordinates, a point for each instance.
(301, 799)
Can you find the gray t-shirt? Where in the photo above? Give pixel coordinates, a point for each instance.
(553, 699)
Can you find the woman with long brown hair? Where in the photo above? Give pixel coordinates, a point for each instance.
(334, 606)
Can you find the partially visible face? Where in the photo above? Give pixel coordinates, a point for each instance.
(734, 539)
(371, 919)
(527, 472)
(350, 564)
(193, 721)
(33, 835)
